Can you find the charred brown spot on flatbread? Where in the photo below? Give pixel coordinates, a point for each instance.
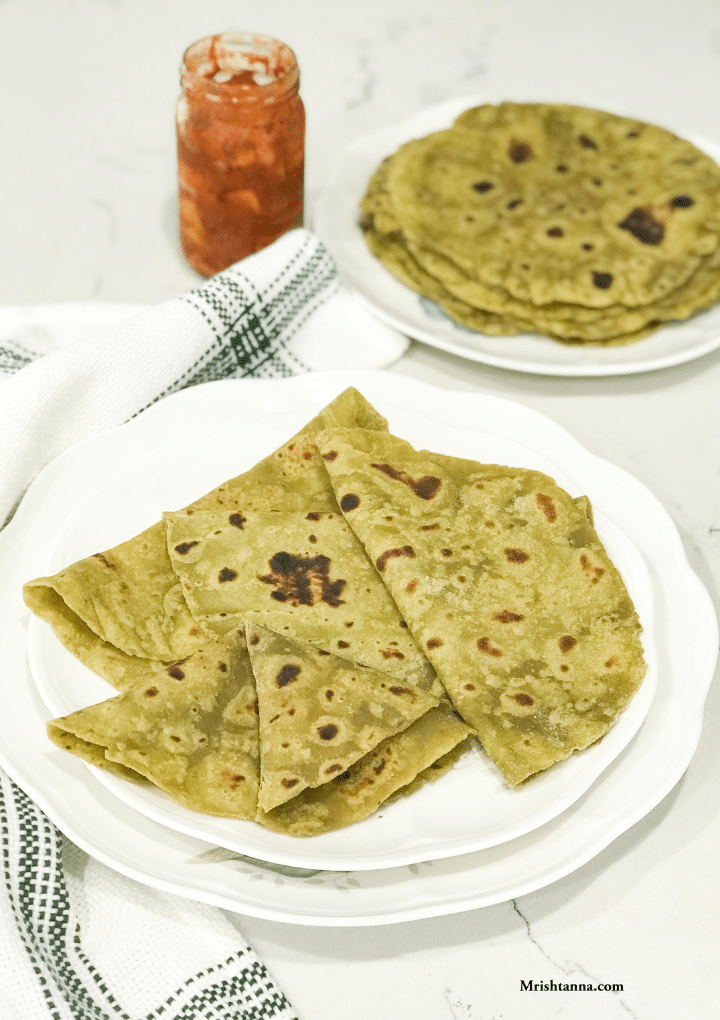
(566, 643)
(602, 280)
(426, 487)
(400, 691)
(644, 226)
(487, 648)
(287, 675)
(519, 151)
(516, 555)
(237, 520)
(349, 502)
(523, 699)
(328, 731)
(389, 554)
(507, 616)
(104, 560)
(547, 506)
(303, 580)
(232, 778)
(595, 572)
(184, 547)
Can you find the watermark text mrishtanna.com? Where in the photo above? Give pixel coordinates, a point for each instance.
(567, 986)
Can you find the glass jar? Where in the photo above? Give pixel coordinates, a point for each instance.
(241, 148)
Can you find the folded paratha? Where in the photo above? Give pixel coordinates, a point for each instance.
(123, 613)
(192, 733)
(320, 713)
(195, 734)
(401, 764)
(505, 585)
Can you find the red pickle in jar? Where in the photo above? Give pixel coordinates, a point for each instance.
(241, 148)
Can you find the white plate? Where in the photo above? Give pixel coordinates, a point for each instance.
(469, 809)
(336, 222)
(686, 639)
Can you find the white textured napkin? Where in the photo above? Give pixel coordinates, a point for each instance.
(279, 313)
(77, 940)
(81, 942)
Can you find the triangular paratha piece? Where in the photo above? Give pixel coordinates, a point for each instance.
(193, 733)
(401, 764)
(505, 585)
(320, 713)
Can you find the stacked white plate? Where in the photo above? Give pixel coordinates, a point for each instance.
(463, 842)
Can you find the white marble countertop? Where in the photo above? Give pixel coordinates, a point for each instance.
(88, 212)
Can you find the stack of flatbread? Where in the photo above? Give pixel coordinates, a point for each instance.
(338, 625)
(549, 218)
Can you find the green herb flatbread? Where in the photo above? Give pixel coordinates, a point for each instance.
(505, 585)
(192, 733)
(123, 611)
(511, 193)
(304, 574)
(550, 218)
(401, 764)
(320, 713)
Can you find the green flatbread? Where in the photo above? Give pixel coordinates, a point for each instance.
(304, 574)
(513, 194)
(395, 254)
(505, 585)
(392, 250)
(320, 713)
(376, 204)
(504, 219)
(192, 733)
(572, 322)
(419, 754)
(122, 611)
